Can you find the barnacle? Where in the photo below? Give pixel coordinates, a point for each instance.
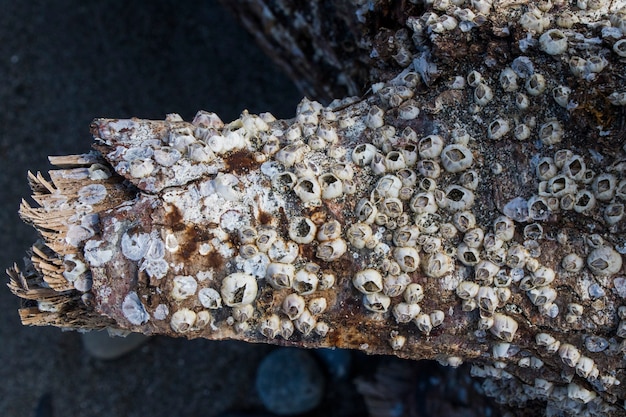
(431, 209)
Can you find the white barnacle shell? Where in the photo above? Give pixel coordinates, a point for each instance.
(553, 42)
(569, 354)
(543, 276)
(546, 169)
(487, 299)
(308, 190)
(467, 290)
(366, 211)
(284, 181)
(498, 129)
(474, 78)
(317, 305)
(293, 306)
(423, 323)
(613, 213)
(376, 302)
(329, 231)
(270, 326)
(485, 271)
(429, 168)
(619, 48)
(604, 186)
(437, 264)
(561, 95)
(604, 260)
(359, 234)
(375, 117)
(363, 154)
(225, 187)
(542, 296)
(141, 168)
(457, 198)
(407, 257)
(430, 146)
(405, 312)
(474, 237)
(394, 285)
(239, 289)
(368, 281)
(133, 309)
(504, 327)
(551, 133)
(467, 255)
(456, 158)
(508, 80)
(580, 394)
(280, 275)
(305, 282)
(184, 286)
(331, 186)
(387, 186)
(423, 203)
(243, 313)
(183, 320)
(210, 298)
(414, 293)
(135, 246)
(572, 263)
(483, 94)
(203, 318)
(535, 84)
(408, 110)
(265, 239)
(437, 317)
(302, 230)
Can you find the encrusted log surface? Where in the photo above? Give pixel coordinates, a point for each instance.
(469, 209)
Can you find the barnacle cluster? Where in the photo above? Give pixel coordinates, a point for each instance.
(465, 210)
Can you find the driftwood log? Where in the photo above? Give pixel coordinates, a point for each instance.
(467, 207)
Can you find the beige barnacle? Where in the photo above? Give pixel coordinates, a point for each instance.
(569, 354)
(203, 318)
(430, 147)
(580, 394)
(437, 317)
(284, 181)
(485, 271)
(498, 129)
(184, 286)
(368, 281)
(363, 154)
(405, 312)
(387, 187)
(366, 211)
(308, 190)
(331, 250)
(482, 94)
(485, 323)
(402, 236)
(429, 168)
(553, 42)
(429, 244)
(286, 328)
(302, 230)
(423, 203)
(210, 298)
(572, 263)
(467, 290)
(407, 257)
(396, 341)
(551, 133)
(376, 302)
(270, 326)
(543, 276)
(535, 84)
(468, 256)
(305, 282)
(293, 306)
(456, 158)
(243, 313)
(280, 275)
(317, 305)
(613, 213)
(604, 186)
(503, 294)
(414, 293)
(266, 238)
(182, 320)
(375, 117)
(360, 234)
(508, 80)
(504, 327)
(331, 186)
(238, 289)
(423, 323)
(487, 299)
(394, 285)
(437, 264)
(604, 260)
(408, 110)
(474, 237)
(542, 296)
(305, 323)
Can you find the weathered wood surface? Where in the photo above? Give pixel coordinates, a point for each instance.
(468, 209)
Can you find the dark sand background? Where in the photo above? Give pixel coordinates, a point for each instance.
(63, 63)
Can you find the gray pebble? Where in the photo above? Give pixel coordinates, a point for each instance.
(289, 382)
